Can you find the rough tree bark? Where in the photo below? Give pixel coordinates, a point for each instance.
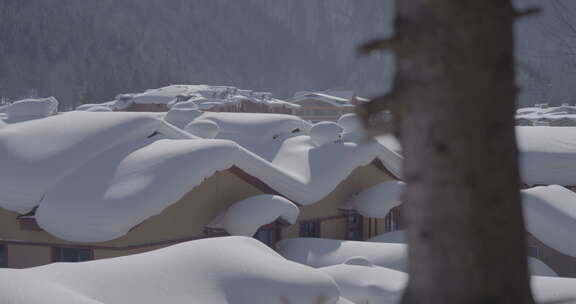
(454, 103)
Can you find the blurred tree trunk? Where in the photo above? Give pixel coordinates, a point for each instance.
(465, 226)
(454, 99)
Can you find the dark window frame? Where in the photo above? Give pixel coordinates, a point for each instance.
(4, 260)
(311, 229)
(57, 254)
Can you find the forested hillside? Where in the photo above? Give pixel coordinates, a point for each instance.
(87, 51)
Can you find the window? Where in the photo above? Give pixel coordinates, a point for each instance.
(269, 234)
(534, 252)
(3, 256)
(310, 229)
(63, 254)
(354, 227)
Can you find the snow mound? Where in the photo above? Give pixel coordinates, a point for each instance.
(547, 155)
(246, 216)
(350, 123)
(260, 133)
(27, 109)
(36, 154)
(218, 270)
(326, 252)
(203, 128)
(359, 261)
(378, 200)
(550, 213)
(180, 117)
(539, 268)
(325, 132)
(128, 184)
(99, 109)
(368, 284)
(553, 290)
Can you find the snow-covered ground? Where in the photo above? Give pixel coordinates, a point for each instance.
(233, 270)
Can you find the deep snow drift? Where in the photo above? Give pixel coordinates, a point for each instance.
(235, 270)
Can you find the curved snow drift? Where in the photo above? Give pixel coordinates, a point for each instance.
(203, 271)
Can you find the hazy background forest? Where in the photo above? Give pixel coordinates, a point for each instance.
(84, 51)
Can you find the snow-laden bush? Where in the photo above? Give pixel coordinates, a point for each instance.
(203, 128)
(325, 132)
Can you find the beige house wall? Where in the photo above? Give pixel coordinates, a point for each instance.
(184, 219)
(361, 178)
(23, 256)
(564, 265)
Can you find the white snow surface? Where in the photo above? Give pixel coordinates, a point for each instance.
(376, 201)
(28, 109)
(325, 132)
(366, 283)
(547, 155)
(203, 128)
(327, 252)
(246, 216)
(36, 154)
(323, 97)
(129, 184)
(550, 213)
(234, 270)
(99, 109)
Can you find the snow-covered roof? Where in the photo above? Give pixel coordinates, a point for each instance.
(122, 174)
(217, 270)
(36, 154)
(547, 155)
(204, 96)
